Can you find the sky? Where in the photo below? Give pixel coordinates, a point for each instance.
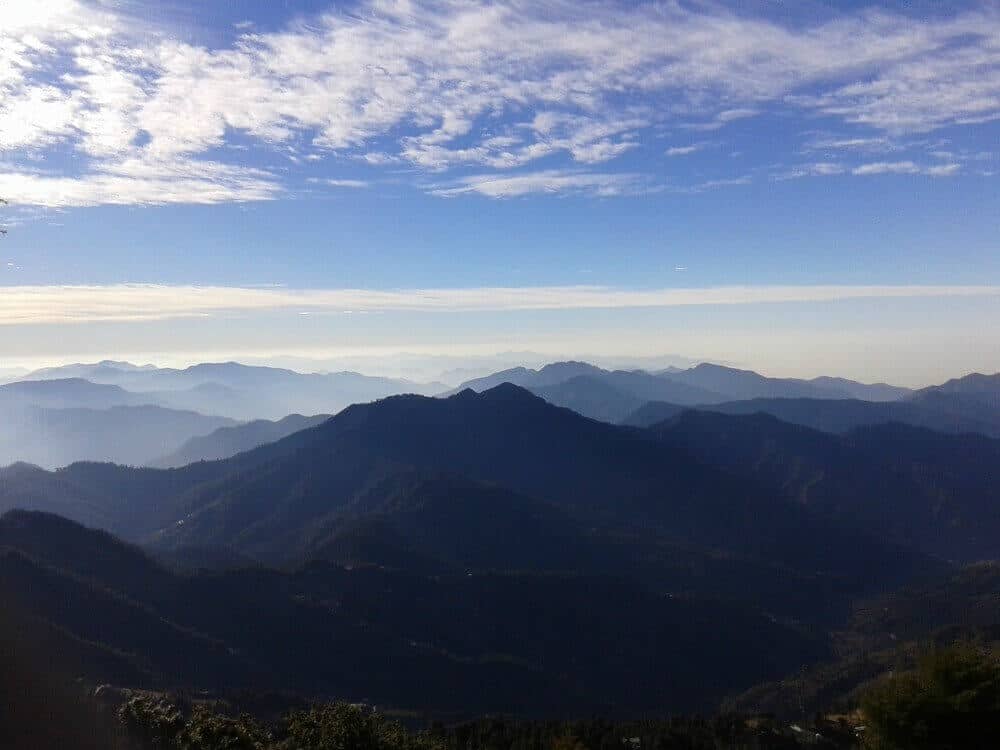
(800, 188)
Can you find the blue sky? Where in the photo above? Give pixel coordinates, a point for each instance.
(797, 189)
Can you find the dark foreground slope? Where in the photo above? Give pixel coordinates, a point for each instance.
(885, 635)
(445, 643)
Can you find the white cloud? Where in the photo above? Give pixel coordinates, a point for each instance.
(547, 181)
(685, 150)
(36, 117)
(341, 183)
(714, 184)
(851, 144)
(906, 167)
(135, 182)
(816, 169)
(491, 84)
(944, 170)
(27, 305)
(887, 167)
(722, 119)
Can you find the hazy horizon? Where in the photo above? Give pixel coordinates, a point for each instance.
(428, 367)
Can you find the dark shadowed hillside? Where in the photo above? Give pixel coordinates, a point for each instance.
(449, 644)
(929, 489)
(885, 635)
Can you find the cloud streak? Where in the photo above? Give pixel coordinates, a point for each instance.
(33, 305)
(547, 181)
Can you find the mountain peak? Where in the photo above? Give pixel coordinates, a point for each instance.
(510, 393)
(713, 367)
(19, 469)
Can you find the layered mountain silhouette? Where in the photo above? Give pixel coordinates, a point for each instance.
(614, 396)
(128, 414)
(65, 393)
(134, 435)
(737, 385)
(236, 390)
(968, 404)
(842, 415)
(601, 394)
(638, 498)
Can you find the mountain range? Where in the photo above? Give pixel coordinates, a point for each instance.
(457, 554)
(640, 398)
(174, 432)
(368, 475)
(237, 391)
(143, 415)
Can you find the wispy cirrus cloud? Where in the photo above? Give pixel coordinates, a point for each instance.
(851, 144)
(869, 169)
(906, 167)
(450, 85)
(815, 169)
(34, 305)
(339, 183)
(548, 181)
(686, 150)
(143, 182)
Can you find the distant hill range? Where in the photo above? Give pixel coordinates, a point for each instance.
(119, 412)
(50, 417)
(965, 405)
(615, 395)
(131, 435)
(239, 391)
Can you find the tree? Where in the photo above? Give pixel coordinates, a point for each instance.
(950, 701)
(344, 726)
(153, 720)
(207, 730)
